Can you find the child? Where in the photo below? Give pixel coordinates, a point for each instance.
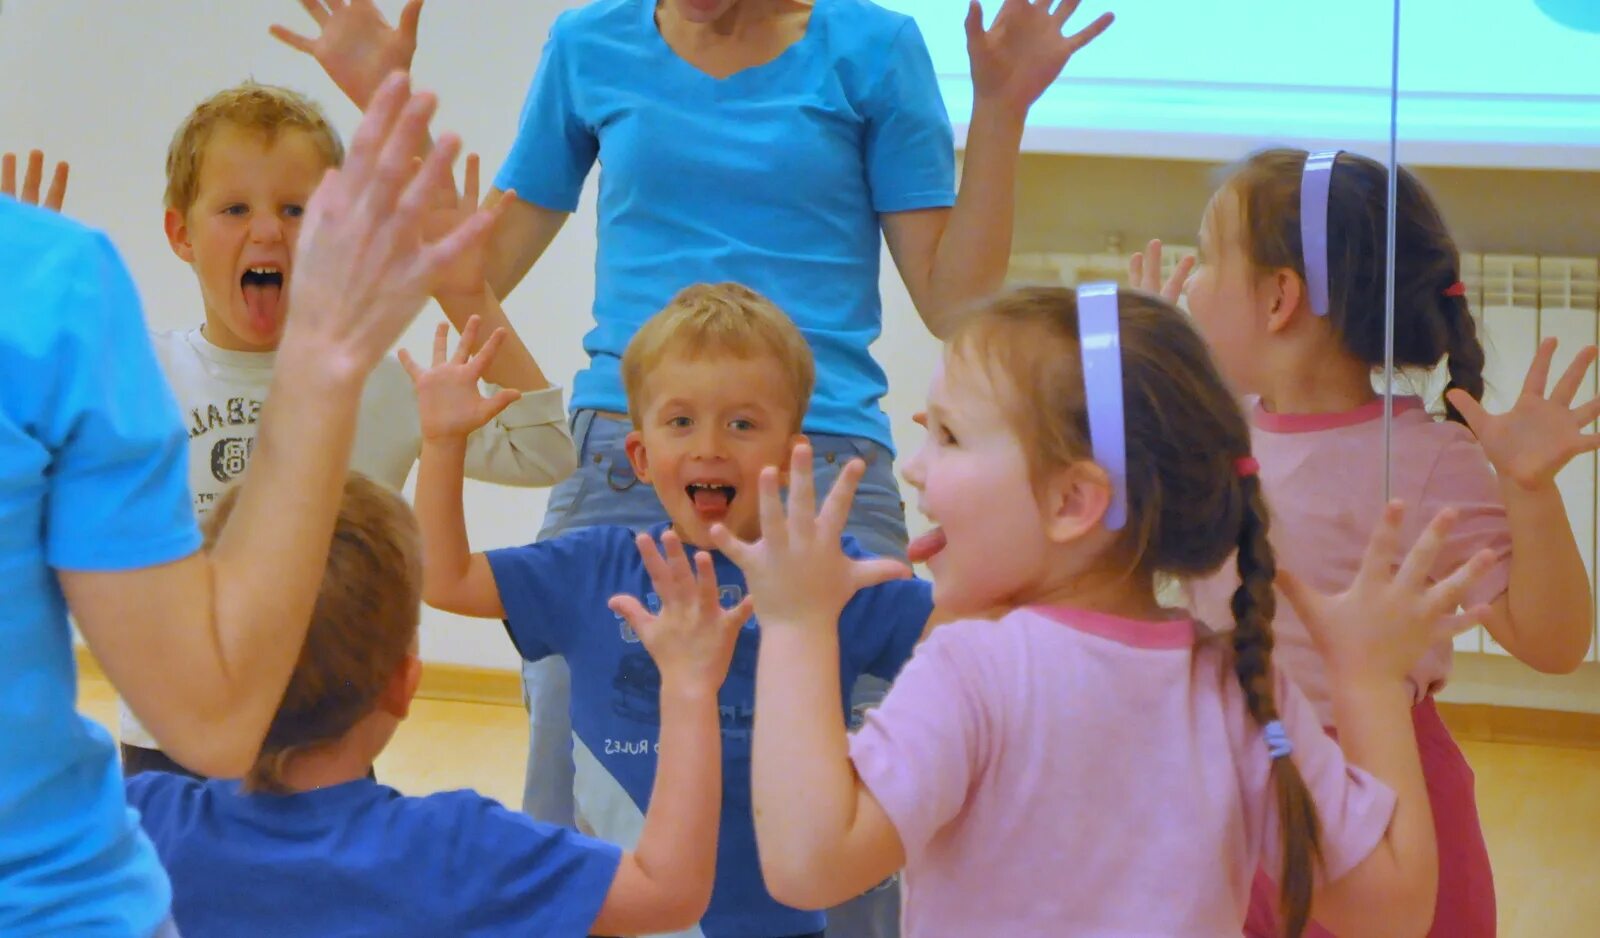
(717, 388)
(1091, 763)
(239, 172)
(306, 844)
(1317, 428)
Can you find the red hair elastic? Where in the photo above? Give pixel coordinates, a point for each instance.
(1246, 466)
(1456, 289)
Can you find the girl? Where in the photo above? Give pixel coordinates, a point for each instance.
(1317, 427)
(1091, 763)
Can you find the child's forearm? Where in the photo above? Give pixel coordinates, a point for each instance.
(446, 552)
(1547, 618)
(514, 365)
(1392, 891)
(677, 847)
(801, 756)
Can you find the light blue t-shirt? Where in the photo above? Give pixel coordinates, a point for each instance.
(774, 177)
(363, 859)
(555, 592)
(93, 477)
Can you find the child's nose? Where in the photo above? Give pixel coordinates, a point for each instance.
(264, 227)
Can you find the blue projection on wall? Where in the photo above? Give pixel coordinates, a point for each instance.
(1511, 83)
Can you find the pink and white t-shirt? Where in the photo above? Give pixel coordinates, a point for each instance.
(1062, 772)
(1323, 480)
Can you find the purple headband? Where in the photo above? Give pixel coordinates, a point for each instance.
(1100, 341)
(1314, 184)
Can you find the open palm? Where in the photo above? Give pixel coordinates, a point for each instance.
(355, 45)
(449, 403)
(1023, 51)
(1539, 435)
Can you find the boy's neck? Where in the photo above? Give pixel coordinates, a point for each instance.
(223, 339)
(347, 759)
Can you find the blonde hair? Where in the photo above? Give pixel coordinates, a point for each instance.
(362, 627)
(265, 109)
(718, 319)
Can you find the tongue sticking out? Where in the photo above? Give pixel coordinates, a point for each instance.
(261, 302)
(710, 501)
(923, 548)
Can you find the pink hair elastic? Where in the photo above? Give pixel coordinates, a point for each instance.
(1246, 466)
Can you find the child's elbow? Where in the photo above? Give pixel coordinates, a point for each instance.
(796, 884)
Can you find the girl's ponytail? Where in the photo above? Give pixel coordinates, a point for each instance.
(1253, 606)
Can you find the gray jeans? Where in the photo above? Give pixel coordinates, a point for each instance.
(604, 490)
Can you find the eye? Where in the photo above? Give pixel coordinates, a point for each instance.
(945, 436)
(236, 209)
(742, 424)
(294, 211)
(678, 423)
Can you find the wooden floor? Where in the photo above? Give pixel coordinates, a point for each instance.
(1540, 805)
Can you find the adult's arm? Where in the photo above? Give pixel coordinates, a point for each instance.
(202, 647)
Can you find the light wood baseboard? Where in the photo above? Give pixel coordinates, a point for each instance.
(1477, 722)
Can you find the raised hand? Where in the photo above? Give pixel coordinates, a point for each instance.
(465, 279)
(1380, 627)
(1539, 435)
(363, 269)
(1023, 51)
(34, 175)
(797, 571)
(355, 45)
(1144, 273)
(448, 400)
(691, 639)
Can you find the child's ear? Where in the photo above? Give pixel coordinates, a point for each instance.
(1075, 501)
(638, 458)
(178, 235)
(402, 688)
(1287, 291)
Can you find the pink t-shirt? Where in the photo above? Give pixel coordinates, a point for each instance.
(1323, 479)
(1061, 772)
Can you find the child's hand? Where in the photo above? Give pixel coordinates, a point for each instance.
(356, 46)
(463, 282)
(1023, 52)
(691, 640)
(1392, 614)
(1144, 273)
(798, 571)
(30, 182)
(1539, 435)
(448, 400)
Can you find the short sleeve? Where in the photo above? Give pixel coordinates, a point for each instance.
(1463, 479)
(910, 146)
(119, 485)
(541, 585)
(514, 875)
(882, 624)
(1353, 807)
(554, 149)
(919, 752)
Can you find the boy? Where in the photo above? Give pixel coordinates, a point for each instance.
(717, 385)
(308, 844)
(239, 171)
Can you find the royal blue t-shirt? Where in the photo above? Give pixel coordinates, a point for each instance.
(93, 477)
(363, 859)
(555, 593)
(774, 177)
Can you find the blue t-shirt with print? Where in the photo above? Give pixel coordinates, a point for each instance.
(93, 477)
(555, 594)
(775, 177)
(363, 859)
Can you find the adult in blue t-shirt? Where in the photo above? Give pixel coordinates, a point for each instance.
(362, 859)
(555, 594)
(95, 516)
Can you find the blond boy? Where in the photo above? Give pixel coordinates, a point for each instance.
(717, 386)
(240, 170)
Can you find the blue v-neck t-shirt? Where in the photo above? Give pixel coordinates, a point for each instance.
(774, 177)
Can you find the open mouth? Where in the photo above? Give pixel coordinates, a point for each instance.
(925, 547)
(711, 498)
(263, 295)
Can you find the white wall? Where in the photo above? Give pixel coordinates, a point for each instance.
(103, 85)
